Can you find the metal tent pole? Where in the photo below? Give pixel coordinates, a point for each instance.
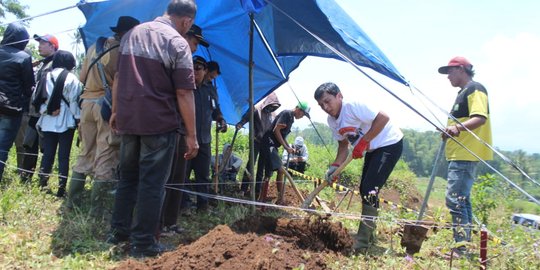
(251, 110)
(431, 179)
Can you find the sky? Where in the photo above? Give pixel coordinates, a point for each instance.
(500, 38)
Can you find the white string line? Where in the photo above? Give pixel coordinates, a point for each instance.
(501, 155)
(345, 215)
(172, 186)
(346, 59)
(442, 125)
(287, 82)
(506, 159)
(28, 39)
(50, 175)
(401, 100)
(82, 2)
(7, 165)
(351, 216)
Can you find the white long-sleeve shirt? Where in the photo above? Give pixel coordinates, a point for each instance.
(66, 118)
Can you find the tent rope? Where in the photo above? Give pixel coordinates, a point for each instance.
(80, 3)
(346, 59)
(501, 155)
(269, 49)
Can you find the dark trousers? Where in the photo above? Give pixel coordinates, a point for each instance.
(378, 166)
(145, 165)
(298, 166)
(50, 142)
(31, 153)
(260, 169)
(173, 196)
(201, 166)
(9, 126)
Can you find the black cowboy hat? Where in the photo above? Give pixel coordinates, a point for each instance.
(196, 31)
(124, 24)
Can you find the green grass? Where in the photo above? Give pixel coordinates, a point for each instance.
(436, 198)
(36, 234)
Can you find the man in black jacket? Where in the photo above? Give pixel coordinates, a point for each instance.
(16, 81)
(206, 109)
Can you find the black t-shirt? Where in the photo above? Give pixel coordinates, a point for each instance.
(286, 117)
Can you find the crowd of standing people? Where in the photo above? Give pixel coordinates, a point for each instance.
(151, 65)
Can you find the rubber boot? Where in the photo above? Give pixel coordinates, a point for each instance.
(62, 183)
(76, 188)
(102, 199)
(365, 236)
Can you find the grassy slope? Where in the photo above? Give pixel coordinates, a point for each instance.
(34, 233)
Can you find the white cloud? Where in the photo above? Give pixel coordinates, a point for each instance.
(509, 66)
(506, 65)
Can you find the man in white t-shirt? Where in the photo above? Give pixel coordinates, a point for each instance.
(371, 134)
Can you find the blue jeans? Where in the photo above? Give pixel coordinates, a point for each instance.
(461, 176)
(145, 165)
(9, 127)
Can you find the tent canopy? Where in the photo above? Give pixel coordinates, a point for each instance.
(279, 47)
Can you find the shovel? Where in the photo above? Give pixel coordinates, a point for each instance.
(313, 194)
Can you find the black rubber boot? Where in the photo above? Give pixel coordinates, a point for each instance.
(102, 198)
(365, 236)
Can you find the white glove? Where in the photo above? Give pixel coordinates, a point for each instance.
(330, 172)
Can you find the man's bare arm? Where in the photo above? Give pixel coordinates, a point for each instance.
(186, 104)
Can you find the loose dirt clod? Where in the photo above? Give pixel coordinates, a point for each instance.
(257, 242)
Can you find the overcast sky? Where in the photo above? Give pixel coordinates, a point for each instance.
(500, 38)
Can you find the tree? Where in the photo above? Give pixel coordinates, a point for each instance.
(11, 7)
(76, 46)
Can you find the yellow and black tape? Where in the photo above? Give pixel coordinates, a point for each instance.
(339, 187)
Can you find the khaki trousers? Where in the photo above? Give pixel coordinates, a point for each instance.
(99, 153)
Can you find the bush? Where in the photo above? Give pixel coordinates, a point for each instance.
(482, 196)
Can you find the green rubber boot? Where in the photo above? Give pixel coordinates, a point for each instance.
(102, 199)
(365, 236)
(76, 188)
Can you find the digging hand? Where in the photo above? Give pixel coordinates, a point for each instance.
(330, 177)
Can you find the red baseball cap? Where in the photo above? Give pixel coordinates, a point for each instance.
(457, 61)
(48, 38)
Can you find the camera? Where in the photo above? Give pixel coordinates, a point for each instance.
(297, 149)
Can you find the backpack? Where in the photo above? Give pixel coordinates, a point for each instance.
(106, 100)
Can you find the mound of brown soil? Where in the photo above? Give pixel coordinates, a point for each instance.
(282, 244)
(313, 233)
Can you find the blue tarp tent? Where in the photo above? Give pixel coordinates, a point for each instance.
(279, 46)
